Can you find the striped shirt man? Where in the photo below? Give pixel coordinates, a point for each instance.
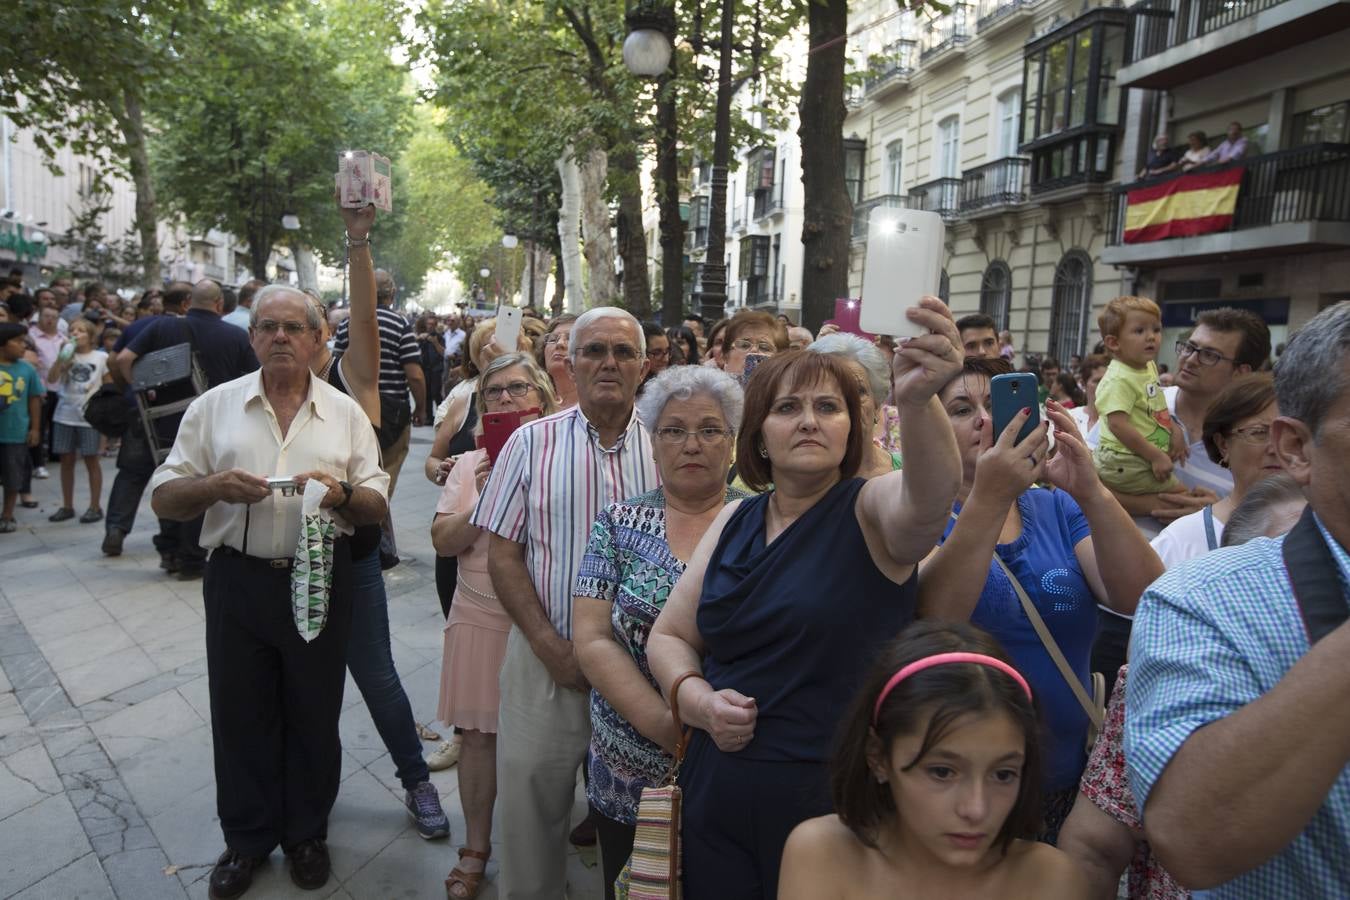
(551, 481)
(1212, 635)
(398, 346)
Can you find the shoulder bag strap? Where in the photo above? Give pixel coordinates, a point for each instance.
(1048, 641)
(1094, 714)
(683, 744)
(1210, 539)
(1313, 573)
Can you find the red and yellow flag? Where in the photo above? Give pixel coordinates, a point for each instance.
(1194, 203)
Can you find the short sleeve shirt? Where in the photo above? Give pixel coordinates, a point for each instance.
(398, 346)
(82, 381)
(1187, 538)
(551, 481)
(18, 382)
(628, 563)
(1137, 393)
(1212, 635)
(1043, 560)
(1198, 471)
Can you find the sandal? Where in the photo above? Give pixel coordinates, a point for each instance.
(8, 526)
(426, 733)
(470, 882)
(28, 504)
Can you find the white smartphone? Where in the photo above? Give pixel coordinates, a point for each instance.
(903, 263)
(508, 328)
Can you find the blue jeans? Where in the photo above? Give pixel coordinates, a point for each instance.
(372, 666)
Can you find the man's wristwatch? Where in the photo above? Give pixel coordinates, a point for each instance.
(346, 494)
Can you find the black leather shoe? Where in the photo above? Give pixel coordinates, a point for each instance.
(112, 542)
(233, 874)
(309, 864)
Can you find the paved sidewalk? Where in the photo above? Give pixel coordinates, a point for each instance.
(106, 783)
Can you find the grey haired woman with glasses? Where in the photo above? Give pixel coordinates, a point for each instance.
(637, 551)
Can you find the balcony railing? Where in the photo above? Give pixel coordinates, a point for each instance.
(947, 31)
(942, 196)
(1158, 25)
(863, 210)
(1305, 184)
(999, 183)
(989, 13)
(895, 63)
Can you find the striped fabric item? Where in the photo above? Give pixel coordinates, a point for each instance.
(398, 345)
(1191, 204)
(653, 871)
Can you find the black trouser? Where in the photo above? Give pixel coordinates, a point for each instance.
(135, 465)
(1111, 646)
(275, 703)
(43, 451)
(616, 845)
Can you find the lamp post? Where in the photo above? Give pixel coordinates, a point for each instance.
(483, 273)
(649, 43)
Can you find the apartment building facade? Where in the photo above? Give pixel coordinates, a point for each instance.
(1025, 122)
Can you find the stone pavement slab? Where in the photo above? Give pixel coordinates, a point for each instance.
(106, 780)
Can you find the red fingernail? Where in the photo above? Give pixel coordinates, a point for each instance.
(1026, 410)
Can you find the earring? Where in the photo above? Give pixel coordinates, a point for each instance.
(881, 779)
(763, 451)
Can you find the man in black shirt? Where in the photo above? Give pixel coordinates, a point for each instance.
(1162, 158)
(225, 354)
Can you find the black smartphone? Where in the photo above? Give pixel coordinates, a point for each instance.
(1008, 395)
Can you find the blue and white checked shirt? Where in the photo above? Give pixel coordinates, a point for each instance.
(1212, 635)
(550, 482)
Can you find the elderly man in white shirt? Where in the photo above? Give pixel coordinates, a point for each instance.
(275, 696)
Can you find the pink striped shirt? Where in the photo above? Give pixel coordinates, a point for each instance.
(550, 482)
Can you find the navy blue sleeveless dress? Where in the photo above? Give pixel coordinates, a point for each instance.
(795, 625)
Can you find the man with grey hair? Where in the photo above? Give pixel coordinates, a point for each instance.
(549, 482)
(1236, 736)
(798, 337)
(224, 354)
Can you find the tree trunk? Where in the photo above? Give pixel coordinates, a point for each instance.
(538, 262)
(306, 270)
(131, 120)
(259, 249)
(599, 243)
(569, 235)
(637, 289)
(559, 278)
(668, 197)
(829, 211)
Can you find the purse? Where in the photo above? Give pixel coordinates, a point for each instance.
(653, 871)
(1094, 706)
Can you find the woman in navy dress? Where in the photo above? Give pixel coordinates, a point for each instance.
(791, 594)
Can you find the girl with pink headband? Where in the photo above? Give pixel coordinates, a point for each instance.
(936, 783)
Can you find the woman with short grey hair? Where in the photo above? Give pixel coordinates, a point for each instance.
(872, 369)
(637, 551)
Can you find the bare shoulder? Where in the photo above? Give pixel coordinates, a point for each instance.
(1044, 872)
(820, 860)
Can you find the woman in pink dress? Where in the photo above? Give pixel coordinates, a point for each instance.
(476, 629)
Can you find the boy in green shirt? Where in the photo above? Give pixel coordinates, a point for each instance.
(1139, 441)
(21, 393)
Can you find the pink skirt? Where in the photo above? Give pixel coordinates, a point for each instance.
(475, 645)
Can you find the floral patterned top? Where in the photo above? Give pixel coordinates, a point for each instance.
(628, 563)
(1105, 784)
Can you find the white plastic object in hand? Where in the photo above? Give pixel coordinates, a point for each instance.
(902, 264)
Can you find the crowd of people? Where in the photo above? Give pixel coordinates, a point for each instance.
(882, 649)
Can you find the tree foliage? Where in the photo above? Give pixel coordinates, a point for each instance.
(272, 97)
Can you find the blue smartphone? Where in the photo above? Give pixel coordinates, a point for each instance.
(752, 361)
(1008, 395)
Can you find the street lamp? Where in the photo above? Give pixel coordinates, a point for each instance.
(645, 18)
(647, 49)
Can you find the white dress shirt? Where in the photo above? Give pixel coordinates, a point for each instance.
(233, 426)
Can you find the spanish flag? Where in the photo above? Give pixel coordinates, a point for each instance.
(1189, 204)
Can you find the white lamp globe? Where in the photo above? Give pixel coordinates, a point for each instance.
(510, 241)
(646, 52)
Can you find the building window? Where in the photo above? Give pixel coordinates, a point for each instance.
(699, 209)
(855, 154)
(1326, 124)
(753, 268)
(1071, 307)
(895, 159)
(996, 293)
(1009, 113)
(949, 147)
(1071, 100)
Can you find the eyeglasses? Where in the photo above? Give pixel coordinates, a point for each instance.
(660, 353)
(1257, 435)
(708, 437)
(746, 345)
(598, 351)
(555, 338)
(292, 329)
(515, 389)
(1207, 356)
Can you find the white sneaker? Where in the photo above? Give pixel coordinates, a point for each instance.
(41, 472)
(444, 756)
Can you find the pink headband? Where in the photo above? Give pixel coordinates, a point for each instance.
(941, 659)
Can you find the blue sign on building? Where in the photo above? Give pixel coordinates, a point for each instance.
(1274, 311)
